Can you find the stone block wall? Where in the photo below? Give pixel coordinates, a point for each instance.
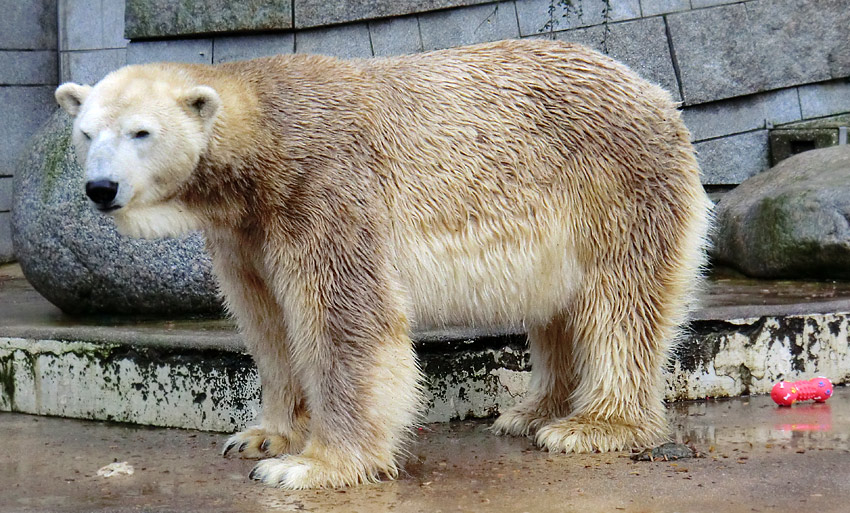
(28, 75)
(91, 39)
(739, 67)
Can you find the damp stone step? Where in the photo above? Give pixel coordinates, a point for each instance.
(196, 374)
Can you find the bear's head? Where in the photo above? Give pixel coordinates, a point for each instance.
(139, 134)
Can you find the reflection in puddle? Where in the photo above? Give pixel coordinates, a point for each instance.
(809, 417)
(757, 421)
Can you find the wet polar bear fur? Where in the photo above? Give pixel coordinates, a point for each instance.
(524, 183)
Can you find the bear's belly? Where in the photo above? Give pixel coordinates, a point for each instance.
(475, 279)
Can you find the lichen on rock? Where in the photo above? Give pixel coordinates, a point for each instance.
(792, 221)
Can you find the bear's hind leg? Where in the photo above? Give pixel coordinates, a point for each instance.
(621, 337)
(552, 381)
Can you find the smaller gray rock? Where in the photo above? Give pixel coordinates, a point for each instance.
(792, 221)
(75, 257)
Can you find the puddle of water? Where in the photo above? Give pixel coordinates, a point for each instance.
(757, 421)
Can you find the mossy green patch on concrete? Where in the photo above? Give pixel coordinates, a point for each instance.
(56, 141)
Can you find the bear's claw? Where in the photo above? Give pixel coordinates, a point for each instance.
(257, 443)
(521, 420)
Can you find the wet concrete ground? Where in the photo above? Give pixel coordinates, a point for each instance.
(758, 458)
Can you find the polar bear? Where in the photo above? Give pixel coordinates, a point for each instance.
(518, 183)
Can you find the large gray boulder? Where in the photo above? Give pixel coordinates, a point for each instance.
(76, 259)
(790, 221)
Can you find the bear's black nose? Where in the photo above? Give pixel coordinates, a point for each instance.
(102, 192)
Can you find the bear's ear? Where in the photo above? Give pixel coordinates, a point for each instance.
(71, 96)
(203, 102)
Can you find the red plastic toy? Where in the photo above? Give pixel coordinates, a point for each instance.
(786, 394)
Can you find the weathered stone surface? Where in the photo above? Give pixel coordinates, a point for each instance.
(75, 258)
(344, 41)
(840, 120)
(819, 100)
(395, 36)
(478, 24)
(212, 390)
(640, 44)
(715, 53)
(790, 221)
(89, 66)
(787, 142)
(745, 48)
(29, 25)
(87, 25)
(655, 7)
(7, 253)
(227, 49)
(314, 13)
(199, 51)
(156, 18)
(743, 356)
(28, 68)
(24, 110)
(800, 42)
(737, 115)
(5, 193)
(731, 160)
(81, 25)
(697, 4)
(112, 14)
(542, 16)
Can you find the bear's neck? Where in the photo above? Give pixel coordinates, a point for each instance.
(219, 193)
(281, 136)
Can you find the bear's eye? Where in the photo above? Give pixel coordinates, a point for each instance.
(141, 134)
(86, 135)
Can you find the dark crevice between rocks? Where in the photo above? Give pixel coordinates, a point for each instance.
(7, 379)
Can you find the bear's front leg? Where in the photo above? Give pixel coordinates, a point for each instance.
(282, 427)
(284, 421)
(353, 356)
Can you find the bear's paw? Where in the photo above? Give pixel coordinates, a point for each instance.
(584, 435)
(301, 472)
(522, 419)
(257, 443)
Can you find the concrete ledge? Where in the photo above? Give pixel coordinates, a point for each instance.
(196, 374)
(181, 382)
